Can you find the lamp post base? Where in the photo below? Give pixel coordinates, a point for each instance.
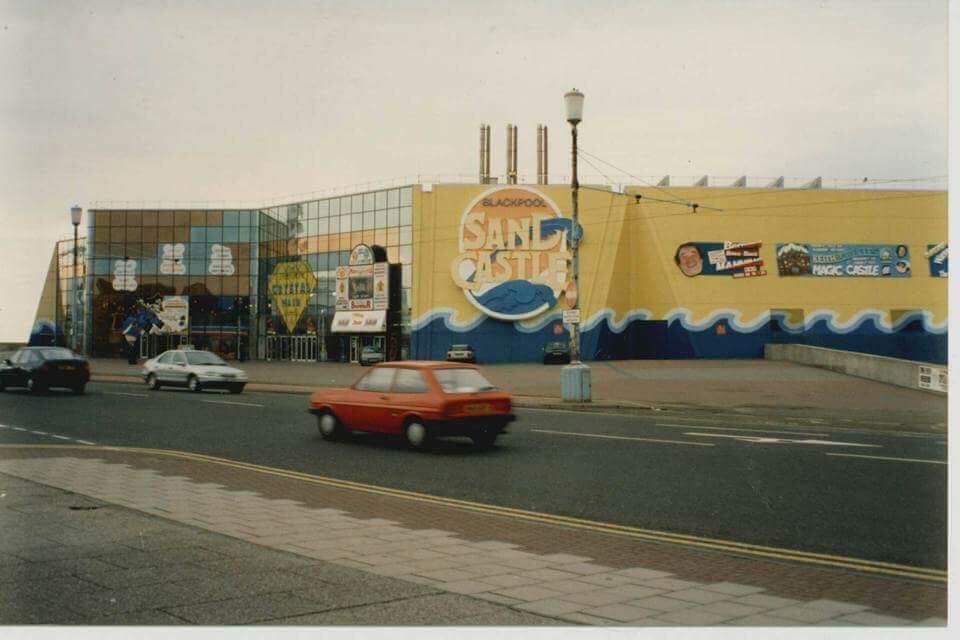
(575, 383)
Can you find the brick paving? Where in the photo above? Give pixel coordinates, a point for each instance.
(566, 574)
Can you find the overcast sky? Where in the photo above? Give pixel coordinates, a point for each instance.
(242, 101)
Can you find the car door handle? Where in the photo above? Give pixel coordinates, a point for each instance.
(384, 397)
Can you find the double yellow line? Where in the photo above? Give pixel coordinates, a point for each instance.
(937, 576)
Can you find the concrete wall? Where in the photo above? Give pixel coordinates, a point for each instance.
(903, 373)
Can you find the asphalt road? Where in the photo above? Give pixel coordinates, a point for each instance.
(793, 484)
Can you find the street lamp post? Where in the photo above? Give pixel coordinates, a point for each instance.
(76, 214)
(575, 377)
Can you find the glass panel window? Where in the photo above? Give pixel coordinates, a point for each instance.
(323, 208)
(406, 274)
(334, 207)
(214, 234)
(381, 200)
(367, 220)
(462, 380)
(378, 379)
(393, 217)
(406, 254)
(406, 196)
(393, 198)
(231, 218)
(345, 205)
(334, 224)
(345, 225)
(406, 235)
(368, 201)
(356, 222)
(380, 220)
(231, 234)
(244, 235)
(406, 215)
(198, 234)
(356, 203)
(409, 381)
(244, 218)
(323, 226)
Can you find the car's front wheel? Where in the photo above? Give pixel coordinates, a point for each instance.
(33, 386)
(237, 388)
(193, 383)
(152, 382)
(417, 435)
(330, 428)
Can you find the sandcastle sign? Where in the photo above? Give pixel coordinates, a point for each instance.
(515, 255)
(291, 284)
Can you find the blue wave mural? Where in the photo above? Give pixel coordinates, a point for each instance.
(723, 334)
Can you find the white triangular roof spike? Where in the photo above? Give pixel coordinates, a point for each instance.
(664, 181)
(776, 184)
(702, 182)
(816, 183)
(740, 182)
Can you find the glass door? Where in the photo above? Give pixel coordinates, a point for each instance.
(354, 349)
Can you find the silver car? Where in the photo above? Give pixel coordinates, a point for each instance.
(370, 355)
(195, 370)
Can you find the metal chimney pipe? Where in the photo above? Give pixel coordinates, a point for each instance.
(539, 154)
(546, 173)
(483, 151)
(509, 153)
(486, 160)
(514, 149)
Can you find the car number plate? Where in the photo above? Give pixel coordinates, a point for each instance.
(66, 367)
(477, 408)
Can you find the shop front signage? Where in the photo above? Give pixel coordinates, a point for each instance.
(844, 260)
(571, 316)
(173, 313)
(291, 285)
(515, 256)
(362, 293)
(171, 259)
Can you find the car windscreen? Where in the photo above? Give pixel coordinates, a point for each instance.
(460, 347)
(57, 354)
(462, 380)
(203, 357)
(556, 345)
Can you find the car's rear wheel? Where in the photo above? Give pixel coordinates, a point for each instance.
(193, 383)
(237, 388)
(417, 435)
(485, 438)
(152, 382)
(78, 389)
(329, 426)
(33, 386)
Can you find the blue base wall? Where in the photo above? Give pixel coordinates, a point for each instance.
(499, 342)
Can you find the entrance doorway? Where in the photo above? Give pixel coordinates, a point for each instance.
(355, 347)
(293, 348)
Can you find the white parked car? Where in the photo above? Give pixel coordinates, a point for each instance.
(195, 370)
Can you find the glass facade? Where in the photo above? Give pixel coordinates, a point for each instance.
(222, 260)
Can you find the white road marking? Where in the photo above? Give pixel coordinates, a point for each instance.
(240, 404)
(759, 440)
(853, 455)
(53, 435)
(700, 426)
(120, 393)
(85, 442)
(18, 429)
(40, 433)
(597, 435)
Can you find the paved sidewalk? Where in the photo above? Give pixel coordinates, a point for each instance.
(741, 386)
(111, 536)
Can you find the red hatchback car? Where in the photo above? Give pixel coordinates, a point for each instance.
(418, 400)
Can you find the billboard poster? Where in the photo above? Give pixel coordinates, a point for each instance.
(173, 312)
(291, 285)
(938, 255)
(844, 260)
(732, 259)
(364, 285)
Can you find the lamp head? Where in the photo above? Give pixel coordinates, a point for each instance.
(76, 213)
(574, 104)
